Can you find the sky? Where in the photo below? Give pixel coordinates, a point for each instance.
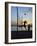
(24, 13)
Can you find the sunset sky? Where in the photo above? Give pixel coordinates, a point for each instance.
(24, 13)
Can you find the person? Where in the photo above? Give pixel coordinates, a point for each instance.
(28, 27)
(25, 24)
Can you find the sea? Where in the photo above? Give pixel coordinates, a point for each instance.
(14, 28)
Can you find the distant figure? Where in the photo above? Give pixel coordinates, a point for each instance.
(25, 23)
(29, 27)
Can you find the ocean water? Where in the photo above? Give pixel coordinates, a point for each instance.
(14, 28)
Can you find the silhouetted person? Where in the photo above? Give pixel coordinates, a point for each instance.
(29, 27)
(25, 23)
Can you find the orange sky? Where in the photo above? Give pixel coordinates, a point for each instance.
(29, 21)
